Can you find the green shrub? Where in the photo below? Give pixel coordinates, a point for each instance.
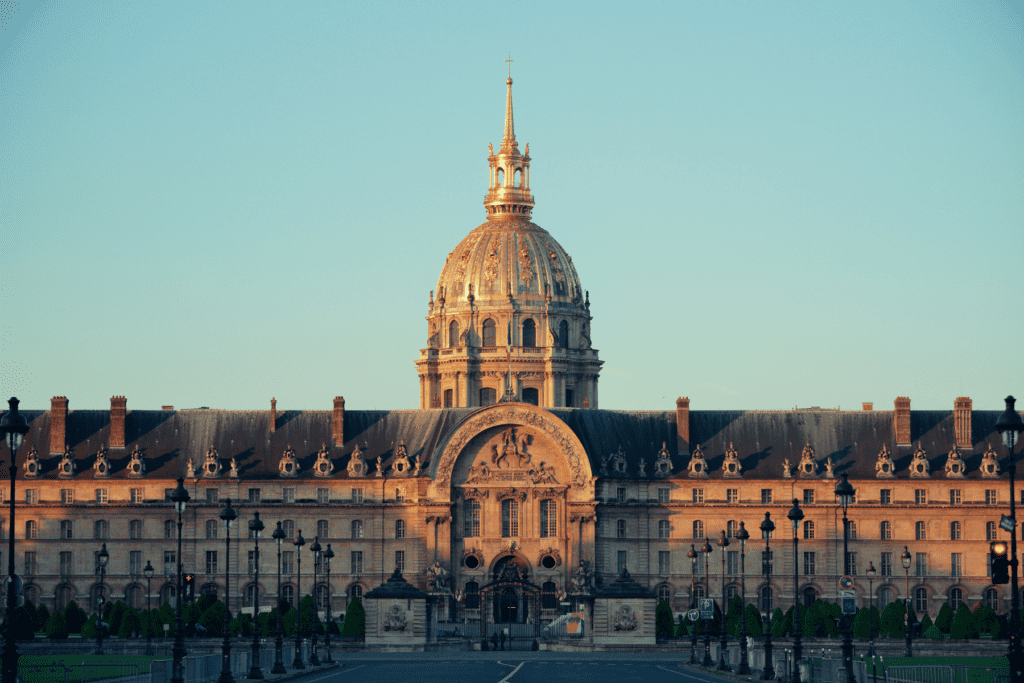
(130, 625)
(355, 619)
(42, 616)
(75, 617)
(213, 618)
(892, 620)
(945, 618)
(116, 616)
(56, 626)
(755, 627)
(663, 620)
(781, 623)
(926, 623)
(963, 625)
(933, 632)
(89, 627)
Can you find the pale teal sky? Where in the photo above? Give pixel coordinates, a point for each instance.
(771, 204)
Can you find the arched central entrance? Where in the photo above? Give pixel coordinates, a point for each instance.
(514, 606)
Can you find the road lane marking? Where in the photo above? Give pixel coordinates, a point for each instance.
(505, 679)
(335, 673)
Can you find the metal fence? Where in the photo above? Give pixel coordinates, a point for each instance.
(458, 629)
(919, 674)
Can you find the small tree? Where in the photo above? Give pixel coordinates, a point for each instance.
(963, 624)
(781, 623)
(355, 619)
(75, 617)
(926, 623)
(945, 618)
(42, 616)
(754, 626)
(932, 632)
(892, 620)
(663, 620)
(89, 627)
(860, 623)
(56, 626)
(130, 625)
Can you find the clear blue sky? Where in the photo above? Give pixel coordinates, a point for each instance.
(771, 204)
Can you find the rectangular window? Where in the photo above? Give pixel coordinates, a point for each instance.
(251, 556)
(471, 518)
(400, 560)
(809, 530)
(990, 497)
(808, 496)
(698, 528)
(548, 518)
(167, 495)
(31, 496)
(288, 494)
(67, 564)
(67, 496)
(620, 559)
(954, 496)
(101, 495)
(851, 564)
(920, 497)
(885, 496)
(509, 518)
(698, 495)
(399, 494)
(732, 496)
(288, 562)
(135, 529)
(211, 496)
(663, 495)
(135, 562)
(30, 563)
(254, 495)
(809, 564)
(732, 562)
(169, 562)
(886, 565)
(137, 496)
(357, 495)
(357, 562)
(767, 561)
(766, 496)
(956, 564)
(323, 496)
(664, 562)
(620, 494)
(921, 564)
(211, 562)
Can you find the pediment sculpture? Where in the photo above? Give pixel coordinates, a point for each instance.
(478, 474)
(919, 463)
(625, 619)
(955, 464)
(66, 468)
(394, 619)
(513, 446)
(618, 463)
(289, 464)
(808, 466)
(885, 468)
(731, 466)
(211, 465)
(136, 465)
(101, 468)
(663, 465)
(356, 464)
(400, 465)
(989, 464)
(32, 464)
(698, 466)
(543, 474)
(323, 467)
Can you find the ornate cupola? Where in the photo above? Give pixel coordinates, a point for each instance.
(509, 193)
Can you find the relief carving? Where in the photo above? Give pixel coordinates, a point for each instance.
(136, 465)
(289, 464)
(625, 619)
(400, 465)
(394, 619)
(885, 468)
(211, 465)
(553, 552)
(323, 467)
(731, 465)
(955, 464)
(510, 493)
(663, 465)
(512, 445)
(544, 474)
(698, 466)
(808, 467)
(618, 463)
(525, 264)
(480, 474)
(356, 465)
(491, 263)
(989, 464)
(919, 463)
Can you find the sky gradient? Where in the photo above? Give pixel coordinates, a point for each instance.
(772, 205)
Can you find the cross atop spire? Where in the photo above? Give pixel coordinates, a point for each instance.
(508, 141)
(509, 62)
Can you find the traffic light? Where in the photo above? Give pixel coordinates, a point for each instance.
(190, 587)
(1000, 562)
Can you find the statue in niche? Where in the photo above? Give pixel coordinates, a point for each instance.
(323, 467)
(400, 465)
(66, 468)
(190, 469)
(356, 465)
(643, 469)
(731, 465)
(289, 464)
(919, 463)
(698, 466)
(394, 619)
(989, 464)
(618, 462)
(32, 464)
(829, 473)
(885, 468)
(233, 469)
(136, 465)
(101, 468)
(807, 467)
(787, 469)
(211, 465)
(954, 464)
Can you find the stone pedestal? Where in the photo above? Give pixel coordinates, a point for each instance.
(397, 615)
(623, 613)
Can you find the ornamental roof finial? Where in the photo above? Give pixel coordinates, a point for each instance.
(508, 141)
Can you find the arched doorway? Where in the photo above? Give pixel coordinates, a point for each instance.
(511, 621)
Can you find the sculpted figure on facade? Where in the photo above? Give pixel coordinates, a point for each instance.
(543, 474)
(356, 464)
(885, 468)
(101, 468)
(136, 465)
(233, 468)
(289, 464)
(954, 464)
(989, 464)
(642, 469)
(808, 467)
(32, 464)
(829, 468)
(663, 465)
(211, 465)
(438, 578)
(394, 619)
(731, 466)
(625, 619)
(190, 469)
(323, 467)
(380, 467)
(618, 463)
(66, 468)
(698, 466)
(919, 463)
(400, 466)
(479, 474)
(582, 580)
(787, 469)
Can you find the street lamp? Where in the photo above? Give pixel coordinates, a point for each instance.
(767, 527)
(870, 573)
(179, 496)
(795, 516)
(148, 571)
(278, 667)
(298, 543)
(1009, 424)
(905, 558)
(844, 490)
(102, 557)
(743, 535)
(693, 603)
(13, 427)
(315, 549)
(706, 549)
(229, 515)
(723, 543)
(328, 556)
(255, 528)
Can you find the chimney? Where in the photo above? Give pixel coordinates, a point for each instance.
(867, 407)
(901, 420)
(273, 414)
(58, 424)
(338, 421)
(962, 421)
(118, 409)
(683, 425)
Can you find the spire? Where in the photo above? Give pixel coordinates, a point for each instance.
(508, 142)
(509, 187)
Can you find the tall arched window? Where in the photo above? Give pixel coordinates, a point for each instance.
(453, 334)
(519, 177)
(664, 529)
(288, 594)
(620, 528)
(884, 595)
(500, 177)
(992, 598)
(885, 531)
(563, 334)
(853, 530)
(355, 591)
(490, 336)
(921, 600)
(509, 518)
(250, 595)
(100, 529)
(699, 592)
(956, 598)
(665, 593)
(399, 528)
(919, 531)
(169, 528)
(698, 529)
(449, 398)
(357, 528)
(954, 531)
(211, 528)
(169, 594)
(810, 595)
(65, 594)
(321, 596)
(548, 518)
(731, 527)
(471, 518)
(529, 333)
(766, 599)
(809, 529)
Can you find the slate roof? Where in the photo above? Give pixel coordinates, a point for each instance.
(762, 438)
(396, 587)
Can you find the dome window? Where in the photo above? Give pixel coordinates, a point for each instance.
(529, 333)
(563, 334)
(489, 333)
(453, 334)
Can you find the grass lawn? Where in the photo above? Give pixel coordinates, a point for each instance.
(75, 663)
(984, 669)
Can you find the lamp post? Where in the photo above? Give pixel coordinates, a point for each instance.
(743, 535)
(795, 516)
(255, 528)
(101, 559)
(179, 496)
(148, 572)
(278, 667)
(315, 549)
(13, 427)
(328, 556)
(229, 515)
(1009, 425)
(767, 527)
(870, 573)
(723, 543)
(905, 558)
(298, 543)
(693, 603)
(706, 549)
(844, 489)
